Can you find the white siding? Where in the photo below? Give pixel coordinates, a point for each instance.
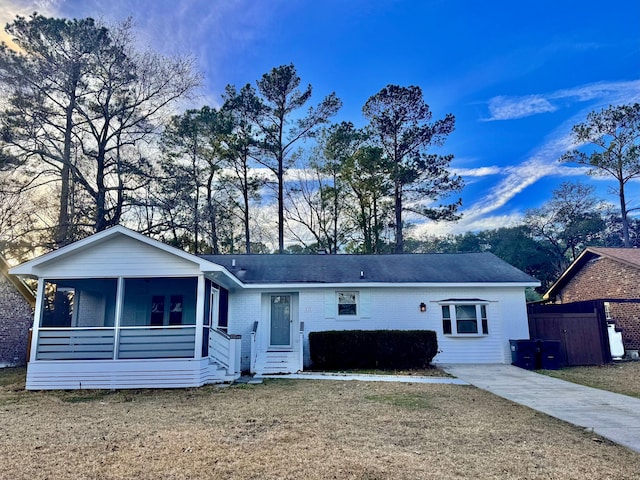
(244, 309)
(120, 256)
(110, 374)
(516, 321)
(399, 308)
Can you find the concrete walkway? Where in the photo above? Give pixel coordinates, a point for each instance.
(614, 416)
(367, 377)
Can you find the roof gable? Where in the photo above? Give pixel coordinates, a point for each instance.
(626, 256)
(18, 284)
(115, 251)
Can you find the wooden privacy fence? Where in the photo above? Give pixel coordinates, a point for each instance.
(580, 327)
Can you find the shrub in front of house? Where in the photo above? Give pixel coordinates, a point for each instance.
(349, 349)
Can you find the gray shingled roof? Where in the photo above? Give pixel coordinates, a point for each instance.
(406, 268)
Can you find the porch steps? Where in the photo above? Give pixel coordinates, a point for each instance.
(272, 362)
(217, 373)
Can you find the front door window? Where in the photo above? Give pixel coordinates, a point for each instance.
(280, 335)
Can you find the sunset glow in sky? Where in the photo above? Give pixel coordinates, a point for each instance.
(517, 75)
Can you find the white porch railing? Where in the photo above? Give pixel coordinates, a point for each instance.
(89, 343)
(175, 341)
(262, 358)
(97, 343)
(300, 348)
(225, 350)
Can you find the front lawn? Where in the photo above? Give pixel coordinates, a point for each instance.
(623, 377)
(297, 429)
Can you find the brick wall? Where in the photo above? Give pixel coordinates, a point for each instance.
(16, 318)
(603, 278)
(627, 318)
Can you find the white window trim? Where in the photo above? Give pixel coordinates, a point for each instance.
(340, 316)
(454, 324)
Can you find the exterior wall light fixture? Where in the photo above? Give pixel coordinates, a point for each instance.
(423, 307)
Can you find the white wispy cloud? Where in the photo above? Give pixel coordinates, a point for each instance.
(468, 224)
(513, 107)
(508, 108)
(218, 34)
(543, 162)
(477, 172)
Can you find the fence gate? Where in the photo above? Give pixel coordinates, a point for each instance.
(580, 327)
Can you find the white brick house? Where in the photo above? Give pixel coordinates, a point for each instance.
(119, 310)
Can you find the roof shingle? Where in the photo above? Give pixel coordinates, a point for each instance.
(404, 268)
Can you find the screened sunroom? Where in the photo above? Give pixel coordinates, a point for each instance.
(119, 310)
(94, 319)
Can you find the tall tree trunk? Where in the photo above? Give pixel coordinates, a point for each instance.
(280, 188)
(211, 208)
(398, 212)
(336, 208)
(623, 213)
(62, 230)
(196, 211)
(245, 198)
(115, 218)
(100, 219)
(280, 207)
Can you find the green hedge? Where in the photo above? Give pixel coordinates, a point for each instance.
(340, 349)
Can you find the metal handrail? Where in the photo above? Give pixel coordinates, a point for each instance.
(254, 345)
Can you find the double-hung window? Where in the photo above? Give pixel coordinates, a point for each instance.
(347, 304)
(466, 318)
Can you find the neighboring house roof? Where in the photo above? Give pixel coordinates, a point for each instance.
(625, 256)
(401, 268)
(19, 285)
(629, 256)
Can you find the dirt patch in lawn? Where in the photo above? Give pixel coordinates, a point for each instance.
(294, 429)
(621, 377)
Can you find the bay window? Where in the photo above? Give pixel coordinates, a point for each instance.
(464, 319)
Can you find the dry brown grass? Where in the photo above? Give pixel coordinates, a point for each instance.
(293, 429)
(616, 377)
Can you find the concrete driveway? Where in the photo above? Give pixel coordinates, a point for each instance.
(614, 416)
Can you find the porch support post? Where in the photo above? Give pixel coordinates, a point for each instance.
(200, 294)
(118, 320)
(37, 318)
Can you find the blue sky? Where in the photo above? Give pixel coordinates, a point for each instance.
(517, 75)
